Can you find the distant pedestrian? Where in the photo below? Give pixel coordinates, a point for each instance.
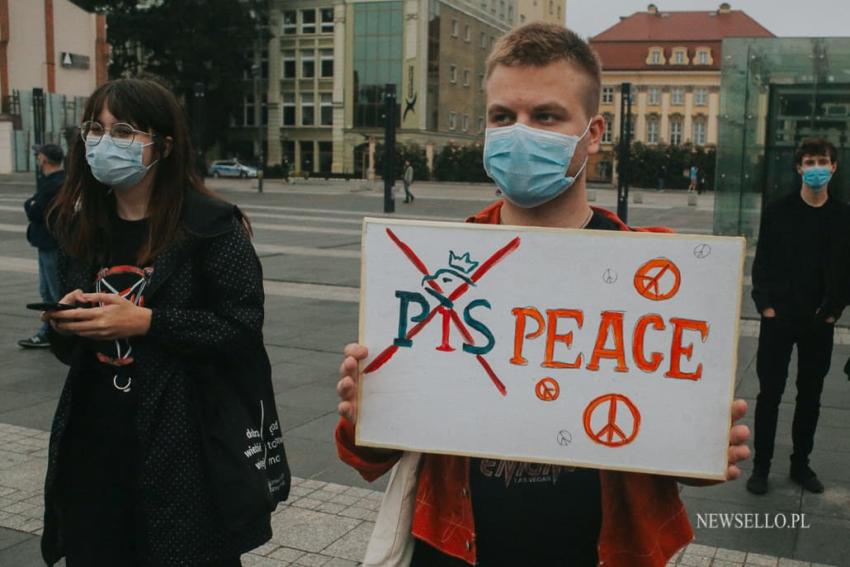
(285, 169)
(694, 175)
(49, 163)
(799, 288)
(662, 175)
(408, 181)
(166, 447)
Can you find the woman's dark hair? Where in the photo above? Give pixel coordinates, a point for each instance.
(83, 209)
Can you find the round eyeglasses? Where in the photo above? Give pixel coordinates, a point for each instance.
(122, 135)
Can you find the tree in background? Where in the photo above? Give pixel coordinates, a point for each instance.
(646, 162)
(184, 42)
(461, 163)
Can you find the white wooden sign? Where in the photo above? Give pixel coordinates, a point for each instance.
(606, 349)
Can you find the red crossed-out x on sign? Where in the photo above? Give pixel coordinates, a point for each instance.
(482, 269)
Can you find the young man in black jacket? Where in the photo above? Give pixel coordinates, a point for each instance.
(799, 287)
(49, 159)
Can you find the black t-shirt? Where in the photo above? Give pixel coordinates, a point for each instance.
(99, 469)
(812, 230)
(530, 514)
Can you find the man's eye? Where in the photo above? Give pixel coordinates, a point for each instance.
(546, 118)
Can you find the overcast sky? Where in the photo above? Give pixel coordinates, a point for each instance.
(809, 18)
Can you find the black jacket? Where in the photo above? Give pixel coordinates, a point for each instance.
(778, 279)
(36, 207)
(204, 399)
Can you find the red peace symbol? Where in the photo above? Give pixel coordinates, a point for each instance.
(547, 389)
(651, 283)
(606, 435)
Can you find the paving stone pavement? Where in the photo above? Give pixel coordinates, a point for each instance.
(322, 524)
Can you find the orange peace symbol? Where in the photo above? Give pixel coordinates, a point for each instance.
(648, 279)
(606, 435)
(547, 389)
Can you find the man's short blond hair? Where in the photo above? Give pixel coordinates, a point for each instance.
(538, 44)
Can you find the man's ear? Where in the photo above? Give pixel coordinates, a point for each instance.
(594, 134)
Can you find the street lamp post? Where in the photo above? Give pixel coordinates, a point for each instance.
(257, 71)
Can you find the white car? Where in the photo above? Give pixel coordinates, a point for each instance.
(232, 168)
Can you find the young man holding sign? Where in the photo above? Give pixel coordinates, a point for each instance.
(543, 85)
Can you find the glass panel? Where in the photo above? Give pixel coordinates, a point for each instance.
(377, 59)
(774, 93)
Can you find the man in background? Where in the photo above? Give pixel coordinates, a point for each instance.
(49, 161)
(408, 181)
(800, 288)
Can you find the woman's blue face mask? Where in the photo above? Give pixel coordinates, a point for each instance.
(530, 165)
(116, 166)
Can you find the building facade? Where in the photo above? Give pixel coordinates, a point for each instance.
(673, 62)
(551, 11)
(50, 50)
(329, 62)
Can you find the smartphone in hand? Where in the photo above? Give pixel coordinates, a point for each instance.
(50, 306)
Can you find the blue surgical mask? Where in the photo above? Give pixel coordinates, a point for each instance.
(817, 177)
(114, 166)
(529, 165)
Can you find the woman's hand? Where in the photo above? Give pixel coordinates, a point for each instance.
(73, 298)
(117, 318)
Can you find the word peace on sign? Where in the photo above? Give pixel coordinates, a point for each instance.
(658, 279)
(617, 428)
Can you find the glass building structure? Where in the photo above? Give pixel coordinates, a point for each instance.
(774, 93)
(378, 30)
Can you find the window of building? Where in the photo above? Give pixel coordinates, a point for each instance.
(466, 77)
(308, 64)
(501, 9)
(481, 81)
(326, 156)
(699, 131)
(607, 95)
(522, 18)
(652, 129)
(559, 13)
(679, 57)
(483, 4)
(608, 132)
(551, 7)
(654, 95)
(289, 109)
(326, 109)
(453, 74)
(483, 40)
(466, 122)
(656, 56)
(676, 130)
(454, 28)
(308, 110)
(467, 34)
(308, 21)
(677, 96)
(288, 64)
(510, 13)
(452, 120)
(290, 22)
(327, 62)
(377, 60)
(248, 117)
(480, 124)
(701, 97)
(704, 56)
(307, 158)
(327, 20)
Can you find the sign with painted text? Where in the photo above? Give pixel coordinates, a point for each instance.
(604, 349)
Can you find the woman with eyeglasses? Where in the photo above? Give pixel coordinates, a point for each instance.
(166, 447)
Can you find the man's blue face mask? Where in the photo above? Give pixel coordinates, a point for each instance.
(530, 165)
(116, 166)
(817, 177)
